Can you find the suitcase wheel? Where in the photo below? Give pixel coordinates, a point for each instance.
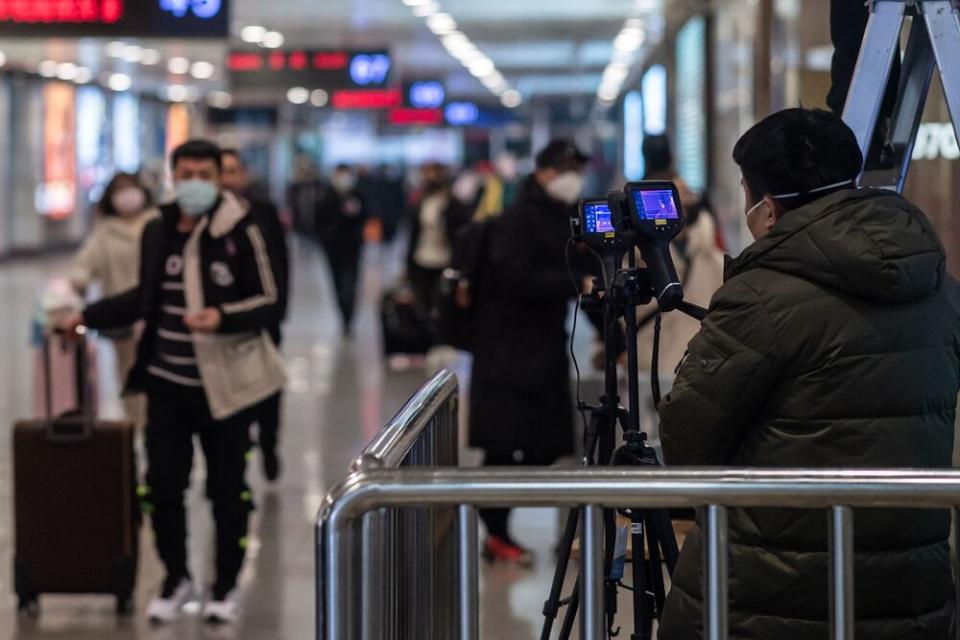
(125, 605)
(29, 606)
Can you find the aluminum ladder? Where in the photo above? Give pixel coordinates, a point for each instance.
(934, 41)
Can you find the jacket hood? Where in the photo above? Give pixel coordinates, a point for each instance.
(869, 243)
(229, 210)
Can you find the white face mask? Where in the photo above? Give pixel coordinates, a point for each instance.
(343, 182)
(196, 197)
(566, 187)
(128, 201)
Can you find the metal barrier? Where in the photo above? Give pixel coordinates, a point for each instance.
(589, 489)
(408, 559)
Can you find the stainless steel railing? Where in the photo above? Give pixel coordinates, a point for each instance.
(409, 561)
(836, 490)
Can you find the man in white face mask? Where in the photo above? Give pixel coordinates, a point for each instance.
(521, 409)
(207, 295)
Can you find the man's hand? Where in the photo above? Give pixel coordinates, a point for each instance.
(71, 325)
(206, 321)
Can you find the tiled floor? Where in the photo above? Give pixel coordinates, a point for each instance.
(340, 393)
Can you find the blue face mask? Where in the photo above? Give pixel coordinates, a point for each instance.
(196, 197)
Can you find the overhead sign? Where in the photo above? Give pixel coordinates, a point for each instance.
(312, 69)
(425, 94)
(115, 18)
(366, 99)
(407, 116)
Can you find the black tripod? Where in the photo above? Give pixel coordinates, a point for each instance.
(618, 297)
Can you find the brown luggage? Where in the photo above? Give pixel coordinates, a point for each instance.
(75, 505)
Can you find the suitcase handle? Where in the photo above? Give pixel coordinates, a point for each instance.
(77, 425)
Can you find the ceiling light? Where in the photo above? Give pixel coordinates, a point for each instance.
(83, 76)
(272, 40)
(120, 82)
(47, 69)
(219, 99)
(202, 70)
(456, 40)
(426, 9)
(319, 98)
(511, 99)
(482, 67)
(253, 33)
(116, 48)
(178, 66)
(150, 57)
(67, 71)
(132, 53)
(3, 58)
(416, 3)
(441, 23)
(298, 95)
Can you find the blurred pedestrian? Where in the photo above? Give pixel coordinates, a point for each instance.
(435, 220)
(521, 409)
(110, 257)
(207, 295)
(341, 216)
(236, 178)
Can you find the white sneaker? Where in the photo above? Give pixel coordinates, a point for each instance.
(167, 609)
(224, 611)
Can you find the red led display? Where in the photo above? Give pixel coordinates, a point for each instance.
(298, 60)
(330, 60)
(245, 62)
(367, 99)
(56, 11)
(282, 61)
(406, 116)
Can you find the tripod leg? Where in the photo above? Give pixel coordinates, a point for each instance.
(642, 615)
(552, 606)
(571, 614)
(655, 542)
(668, 539)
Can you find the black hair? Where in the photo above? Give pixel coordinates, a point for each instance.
(234, 153)
(657, 157)
(797, 151)
(105, 206)
(197, 150)
(343, 166)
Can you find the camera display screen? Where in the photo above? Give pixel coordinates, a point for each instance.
(656, 205)
(597, 218)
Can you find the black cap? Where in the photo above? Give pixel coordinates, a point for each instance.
(561, 153)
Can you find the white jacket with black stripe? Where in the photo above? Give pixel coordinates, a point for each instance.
(227, 266)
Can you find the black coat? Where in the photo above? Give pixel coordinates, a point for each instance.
(241, 252)
(835, 342)
(520, 385)
(340, 220)
(455, 216)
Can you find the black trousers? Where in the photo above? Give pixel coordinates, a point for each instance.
(344, 259)
(497, 520)
(267, 414)
(426, 288)
(175, 414)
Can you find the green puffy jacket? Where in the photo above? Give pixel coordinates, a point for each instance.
(834, 342)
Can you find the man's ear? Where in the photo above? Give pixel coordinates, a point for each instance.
(776, 212)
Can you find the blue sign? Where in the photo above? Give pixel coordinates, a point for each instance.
(370, 69)
(427, 95)
(460, 114)
(203, 9)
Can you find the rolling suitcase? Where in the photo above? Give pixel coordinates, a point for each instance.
(75, 506)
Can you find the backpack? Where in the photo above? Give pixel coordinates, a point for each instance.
(459, 284)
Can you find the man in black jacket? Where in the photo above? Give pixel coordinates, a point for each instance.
(521, 409)
(833, 342)
(236, 179)
(340, 219)
(208, 295)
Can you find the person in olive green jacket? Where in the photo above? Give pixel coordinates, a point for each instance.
(834, 342)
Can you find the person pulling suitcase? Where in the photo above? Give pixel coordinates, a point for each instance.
(208, 297)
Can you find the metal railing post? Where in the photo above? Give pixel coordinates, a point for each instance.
(469, 574)
(591, 575)
(715, 573)
(841, 573)
(956, 567)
